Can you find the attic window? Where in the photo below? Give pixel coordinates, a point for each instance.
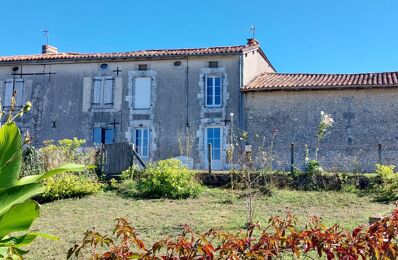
(104, 66)
(213, 64)
(177, 63)
(142, 67)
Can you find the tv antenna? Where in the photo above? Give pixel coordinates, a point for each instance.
(253, 31)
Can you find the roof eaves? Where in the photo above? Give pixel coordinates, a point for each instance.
(307, 88)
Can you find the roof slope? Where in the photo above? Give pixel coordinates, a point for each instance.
(124, 55)
(298, 81)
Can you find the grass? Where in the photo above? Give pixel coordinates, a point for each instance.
(155, 219)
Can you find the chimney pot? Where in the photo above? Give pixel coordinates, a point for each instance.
(48, 49)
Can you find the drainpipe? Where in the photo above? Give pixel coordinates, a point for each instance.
(242, 120)
(187, 92)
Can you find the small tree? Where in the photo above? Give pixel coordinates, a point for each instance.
(325, 123)
(249, 161)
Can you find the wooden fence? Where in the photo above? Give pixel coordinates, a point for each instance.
(117, 157)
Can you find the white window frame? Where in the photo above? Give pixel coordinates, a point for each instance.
(213, 101)
(102, 89)
(220, 141)
(140, 147)
(135, 93)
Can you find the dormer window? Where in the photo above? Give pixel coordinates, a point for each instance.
(213, 91)
(213, 64)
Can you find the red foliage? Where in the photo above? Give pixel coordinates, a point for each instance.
(280, 237)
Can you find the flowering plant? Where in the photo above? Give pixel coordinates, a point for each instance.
(325, 123)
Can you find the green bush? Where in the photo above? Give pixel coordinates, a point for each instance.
(127, 188)
(132, 173)
(389, 179)
(68, 185)
(31, 164)
(313, 167)
(67, 150)
(170, 179)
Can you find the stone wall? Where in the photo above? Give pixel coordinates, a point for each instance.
(61, 93)
(363, 119)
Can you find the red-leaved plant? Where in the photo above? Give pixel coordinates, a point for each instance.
(279, 238)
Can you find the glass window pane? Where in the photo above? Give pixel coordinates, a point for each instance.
(209, 133)
(216, 132)
(218, 81)
(217, 91)
(216, 154)
(209, 92)
(209, 81)
(217, 100)
(138, 139)
(209, 101)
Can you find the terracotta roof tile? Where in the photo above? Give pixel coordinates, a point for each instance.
(123, 55)
(299, 81)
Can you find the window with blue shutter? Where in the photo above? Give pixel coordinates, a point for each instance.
(9, 89)
(103, 92)
(103, 135)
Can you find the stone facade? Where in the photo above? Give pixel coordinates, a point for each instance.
(363, 119)
(63, 94)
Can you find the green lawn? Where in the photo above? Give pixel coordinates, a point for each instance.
(154, 219)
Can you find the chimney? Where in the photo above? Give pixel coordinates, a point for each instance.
(48, 49)
(252, 42)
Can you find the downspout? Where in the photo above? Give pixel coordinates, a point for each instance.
(242, 120)
(187, 92)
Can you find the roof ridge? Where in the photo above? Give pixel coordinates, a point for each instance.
(304, 81)
(336, 74)
(125, 52)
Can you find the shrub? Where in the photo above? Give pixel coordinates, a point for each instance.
(131, 173)
(68, 185)
(31, 164)
(168, 178)
(389, 180)
(280, 239)
(67, 150)
(313, 167)
(127, 188)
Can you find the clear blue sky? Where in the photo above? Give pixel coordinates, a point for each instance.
(328, 36)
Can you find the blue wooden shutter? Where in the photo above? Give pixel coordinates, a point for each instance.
(97, 97)
(9, 89)
(108, 91)
(108, 136)
(97, 135)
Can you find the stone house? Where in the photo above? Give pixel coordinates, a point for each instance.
(158, 99)
(149, 98)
